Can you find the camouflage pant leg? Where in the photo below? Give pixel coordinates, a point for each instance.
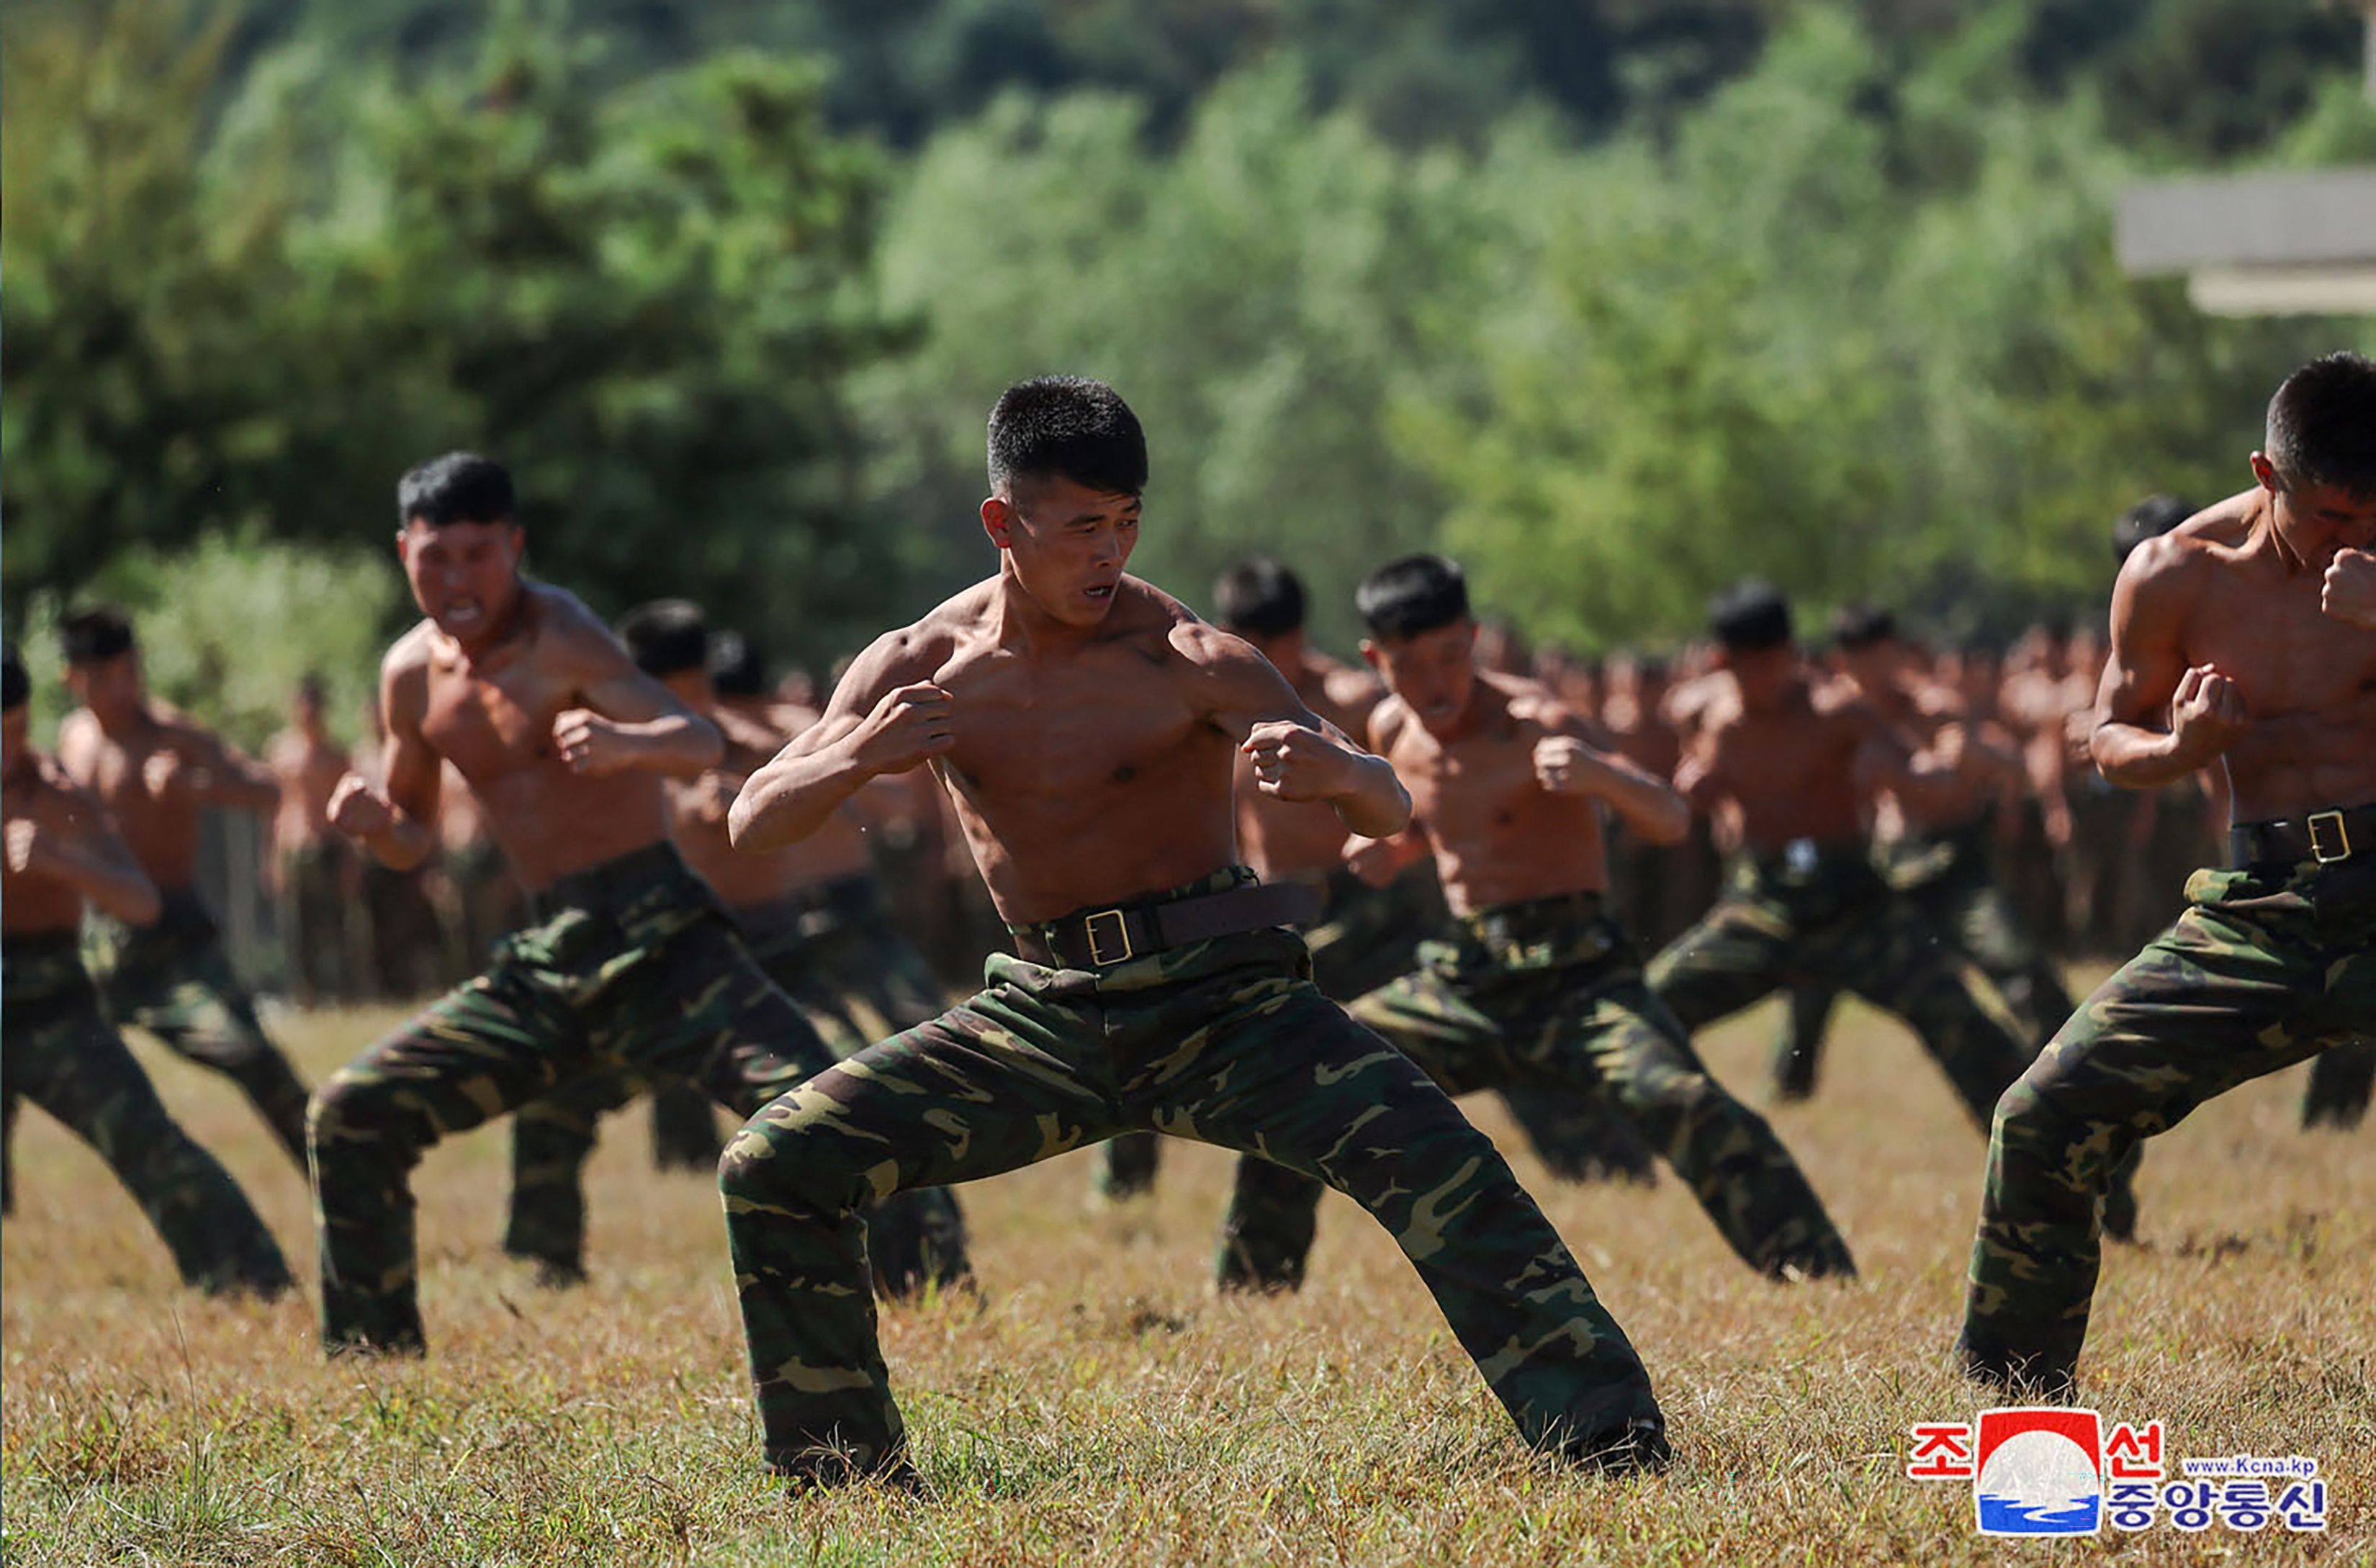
(666, 993)
(684, 1130)
(1799, 1048)
(69, 1061)
(1221, 1041)
(313, 918)
(915, 1241)
(553, 1136)
(1897, 960)
(1600, 1027)
(1125, 1167)
(191, 1001)
(1736, 955)
(1975, 913)
(2341, 1082)
(2254, 977)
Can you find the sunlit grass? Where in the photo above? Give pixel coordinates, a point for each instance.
(1102, 1406)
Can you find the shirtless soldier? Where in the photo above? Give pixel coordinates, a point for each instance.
(1086, 726)
(629, 967)
(2247, 636)
(309, 860)
(813, 922)
(155, 771)
(1935, 850)
(61, 1051)
(1797, 762)
(1263, 602)
(1535, 981)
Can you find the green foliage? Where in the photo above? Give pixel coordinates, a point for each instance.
(1259, 295)
(230, 626)
(646, 302)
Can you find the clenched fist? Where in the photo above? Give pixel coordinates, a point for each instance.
(29, 846)
(1293, 762)
(591, 745)
(1565, 765)
(164, 772)
(907, 728)
(357, 810)
(2348, 594)
(2206, 715)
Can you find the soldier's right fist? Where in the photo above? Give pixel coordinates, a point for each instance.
(359, 810)
(909, 726)
(2206, 715)
(28, 846)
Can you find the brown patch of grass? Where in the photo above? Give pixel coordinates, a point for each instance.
(1102, 1406)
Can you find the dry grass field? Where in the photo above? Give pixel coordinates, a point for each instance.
(1101, 1407)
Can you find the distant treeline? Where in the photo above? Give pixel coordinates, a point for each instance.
(1615, 300)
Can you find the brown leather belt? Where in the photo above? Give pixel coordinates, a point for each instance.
(2327, 837)
(1099, 939)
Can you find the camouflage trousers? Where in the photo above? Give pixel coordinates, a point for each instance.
(1226, 1041)
(1367, 936)
(2268, 966)
(1549, 991)
(1364, 937)
(1949, 879)
(853, 980)
(173, 980)
(1828, 919)
(2342, 1081)
(634, 973)
(313, 908)
(62, 1055)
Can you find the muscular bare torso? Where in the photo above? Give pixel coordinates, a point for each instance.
(157, 815)
(1085, 777)
(1791, 774)
(2307, 680)
(697, 812)
(493, 719)
(1499, 837)
(307, 770)
(33, 903)
(1287, 838)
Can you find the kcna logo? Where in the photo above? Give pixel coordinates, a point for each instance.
(2052, 1471)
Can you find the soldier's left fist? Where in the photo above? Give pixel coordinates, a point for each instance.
(1294, 762)
(2348, 594)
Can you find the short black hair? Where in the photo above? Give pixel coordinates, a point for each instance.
(1750, 616)
(735, 668)
(2322, 425)
(1259, 598)
(1411, 597)
(1068, 427)
(96, 634)
(460, 487)
(1863, 626)
(666, 636)
(2149, 518)
(16, 687)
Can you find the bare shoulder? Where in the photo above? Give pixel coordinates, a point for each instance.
(1350, 687)
(922, 650)
(1532, 707)
(78, 734)
(1387, 721)
(746, 734)
(563, 625)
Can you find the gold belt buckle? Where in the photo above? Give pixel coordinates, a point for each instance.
(1122, 934)
(2318, 845)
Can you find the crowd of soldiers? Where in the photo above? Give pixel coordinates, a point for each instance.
(1216, 868)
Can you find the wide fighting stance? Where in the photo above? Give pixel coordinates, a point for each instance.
(2245, 636)
(1086, 727)
(629, 970)
(63, 1054)
(1535, 983)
